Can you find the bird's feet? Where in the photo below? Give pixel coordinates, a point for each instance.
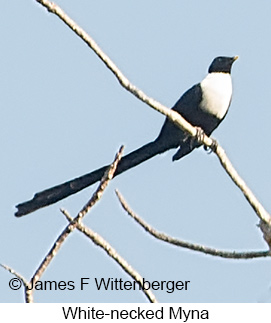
(213, 146)
(199, 135)
(197, 140)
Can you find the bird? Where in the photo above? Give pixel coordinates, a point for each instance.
(204, 106)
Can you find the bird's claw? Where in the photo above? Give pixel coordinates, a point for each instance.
(199, 135)
(211, 148)
(198, 138)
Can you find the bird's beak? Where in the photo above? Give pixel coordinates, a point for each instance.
(235, 58)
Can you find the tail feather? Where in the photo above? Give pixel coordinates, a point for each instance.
(61, 191)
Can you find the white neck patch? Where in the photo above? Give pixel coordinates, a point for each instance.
(216, 94)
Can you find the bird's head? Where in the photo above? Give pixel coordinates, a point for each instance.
(222, 64)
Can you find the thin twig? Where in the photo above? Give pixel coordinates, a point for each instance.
(19, 276)
(72, 225)
(188, 245)
(21, 280)
(172, 115)
(253, 201)
(109, 174)
(101, 242)
(13, 272)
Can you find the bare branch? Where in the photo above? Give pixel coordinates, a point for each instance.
(21, 280)
(109, 174)
(101, 242)
(49, 257)
(72, 225)
(257, 207)
(13, 272)
(188, 245)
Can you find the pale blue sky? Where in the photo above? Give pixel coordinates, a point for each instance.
(64, 114)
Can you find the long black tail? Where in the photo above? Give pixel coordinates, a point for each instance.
(59, 192)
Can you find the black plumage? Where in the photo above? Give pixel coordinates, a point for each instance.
(204, 105)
